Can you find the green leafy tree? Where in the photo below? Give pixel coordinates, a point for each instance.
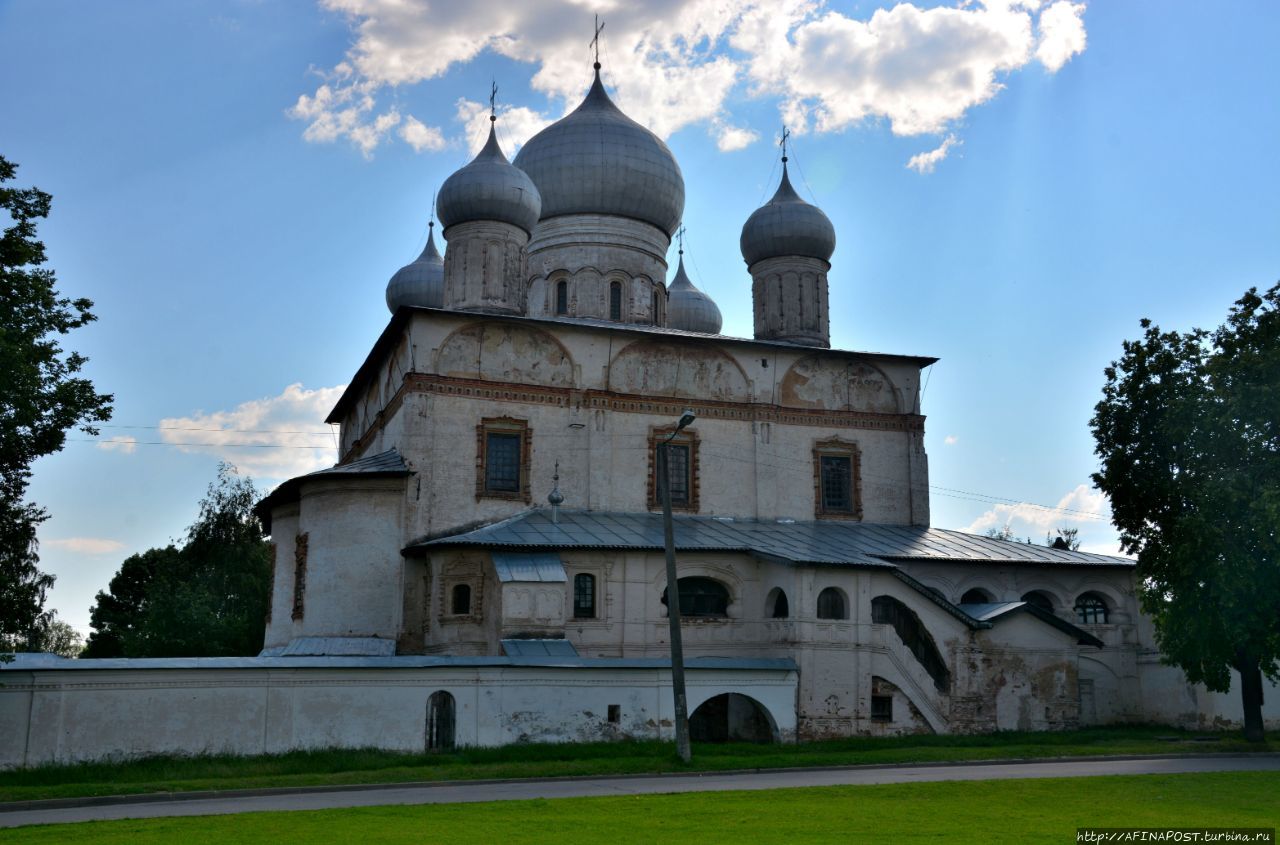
(208, 598)
(41, 397)
(117, 615)
(1188, 433)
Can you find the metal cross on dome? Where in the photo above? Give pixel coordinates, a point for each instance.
(595, 42)
(786, 133)
(493, 101)
(680, 238)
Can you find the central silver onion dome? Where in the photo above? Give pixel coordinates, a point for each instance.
(489, 188)
(689, 308)
(420, 283)
(596, 160)
(787, 225)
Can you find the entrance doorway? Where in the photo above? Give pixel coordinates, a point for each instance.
(440, 722)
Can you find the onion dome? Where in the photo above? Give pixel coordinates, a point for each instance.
(689, 308)
(596, 160)
(787, 225)
(420, 283)
(489, 188)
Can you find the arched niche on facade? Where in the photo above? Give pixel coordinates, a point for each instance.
(688, 371)
(831, 384)
(497, 351)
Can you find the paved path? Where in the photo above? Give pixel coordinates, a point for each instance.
(462, 792)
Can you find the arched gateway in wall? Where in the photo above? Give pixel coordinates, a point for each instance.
(732, 717)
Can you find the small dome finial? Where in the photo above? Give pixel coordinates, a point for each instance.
(786, 133)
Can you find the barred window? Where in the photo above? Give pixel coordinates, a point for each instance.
(678, 483)
(502, 463)
(836, 478)
(503, 447)
(837, 473)
(682, 469)
(584, 596)
(1091, 610)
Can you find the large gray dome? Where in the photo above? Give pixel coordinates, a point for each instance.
(787, 225)
(596, 160)
(689, 308)
(489, 188)
(420, 283)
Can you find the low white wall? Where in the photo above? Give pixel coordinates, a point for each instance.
(1168, 699)
(118, 710)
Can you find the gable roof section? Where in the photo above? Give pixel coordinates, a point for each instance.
(991, 613)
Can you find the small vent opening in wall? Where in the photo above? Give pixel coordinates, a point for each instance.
(615, 713)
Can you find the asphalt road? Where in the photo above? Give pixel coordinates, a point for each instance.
(461, 792)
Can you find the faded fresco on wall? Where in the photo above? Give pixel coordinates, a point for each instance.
(504, 352)
(659, 369)
(835, 385)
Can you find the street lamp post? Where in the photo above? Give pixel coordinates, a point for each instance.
(673, 596)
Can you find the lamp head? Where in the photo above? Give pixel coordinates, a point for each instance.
(685, 419)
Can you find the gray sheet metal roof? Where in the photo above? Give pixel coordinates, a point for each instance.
(386, 464)
(849, 543)
(52, 662)
(528, 566)
(336, 647)
(539, 648)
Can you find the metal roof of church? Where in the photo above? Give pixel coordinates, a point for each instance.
(386, 464)
(849, 543)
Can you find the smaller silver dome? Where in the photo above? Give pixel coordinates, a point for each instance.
(489, 188)
(787, 225)
(688, 308)
(421, 283)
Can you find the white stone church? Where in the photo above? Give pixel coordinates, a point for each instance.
(484, 565)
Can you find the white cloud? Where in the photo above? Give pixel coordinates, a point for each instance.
(672, 63)
(926, 162)
(730, 138)
(123, 443)
(1084, 508)
(86, 545)
(1062, 34)
(273, 438)
(421, 137)
(515, 125)
(951, 440)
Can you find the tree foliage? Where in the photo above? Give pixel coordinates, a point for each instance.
(208, 598)
(1188, 433)
(41, 396)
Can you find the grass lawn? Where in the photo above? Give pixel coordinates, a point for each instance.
(320, 768)
(962, 811)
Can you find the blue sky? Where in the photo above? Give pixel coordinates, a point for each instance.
(235, 181)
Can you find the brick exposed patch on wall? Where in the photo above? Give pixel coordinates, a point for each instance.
(299, 575)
